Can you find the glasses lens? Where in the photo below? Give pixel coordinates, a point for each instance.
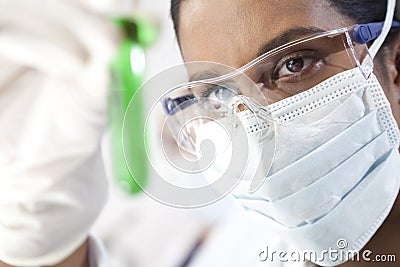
(196, 103)
(217, 92)
(302, 65)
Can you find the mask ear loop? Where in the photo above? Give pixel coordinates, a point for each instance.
(377, 44)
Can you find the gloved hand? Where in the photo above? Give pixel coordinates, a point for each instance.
(53, 96)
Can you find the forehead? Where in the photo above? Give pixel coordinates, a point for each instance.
(232, 32)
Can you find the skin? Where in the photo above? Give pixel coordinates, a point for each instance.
(80, 258)
(233, 32)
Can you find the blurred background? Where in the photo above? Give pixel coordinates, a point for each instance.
(137, 230)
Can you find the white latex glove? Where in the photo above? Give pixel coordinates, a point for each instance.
(53, 95)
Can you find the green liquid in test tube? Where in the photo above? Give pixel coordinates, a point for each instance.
(127, 71)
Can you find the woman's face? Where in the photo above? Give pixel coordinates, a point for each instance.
(234, 32)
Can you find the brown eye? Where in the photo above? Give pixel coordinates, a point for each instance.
(217, 97)
(220, 94)
(295, 65)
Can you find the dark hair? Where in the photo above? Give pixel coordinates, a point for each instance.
(362, 11)
(175, 7)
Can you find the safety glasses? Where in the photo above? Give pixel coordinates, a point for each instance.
(217, 92)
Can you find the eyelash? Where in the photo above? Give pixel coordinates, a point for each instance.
(303, 54)
(209, 90)
(212, 89)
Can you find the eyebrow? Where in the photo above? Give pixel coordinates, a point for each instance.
(288, 36)
(208, 74)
